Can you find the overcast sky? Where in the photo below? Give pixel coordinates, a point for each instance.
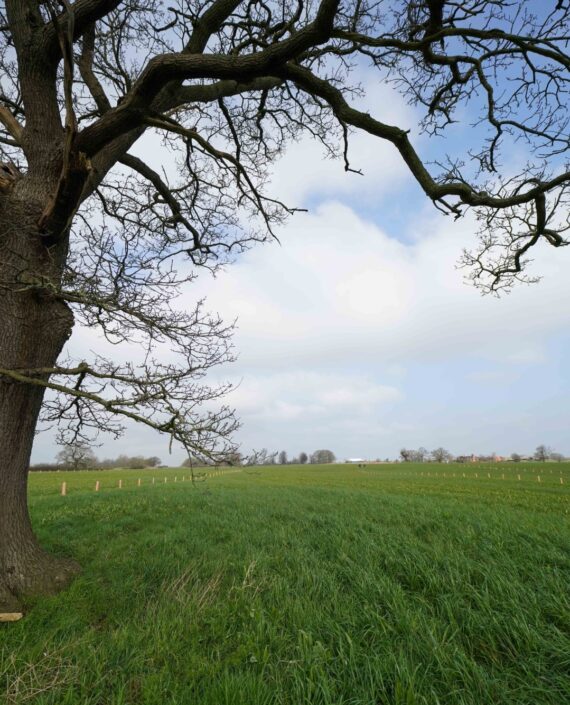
(357, 332)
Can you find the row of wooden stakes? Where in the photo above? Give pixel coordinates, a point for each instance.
(63, 490)
(436, 474)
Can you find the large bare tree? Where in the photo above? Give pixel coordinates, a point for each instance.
(90, 231)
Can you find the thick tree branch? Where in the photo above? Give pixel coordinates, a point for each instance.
(85, 64)
(169, 67)
(210, 22)
(11, 124)
(209, 93)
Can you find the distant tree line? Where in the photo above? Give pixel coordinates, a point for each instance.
(423, 455)
(319, 457)
(132, 462)
(80, 456)
(441, 455)
(230, 459)
(266, 457)
(301, 459)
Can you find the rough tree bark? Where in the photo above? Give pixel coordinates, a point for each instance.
(34, 330)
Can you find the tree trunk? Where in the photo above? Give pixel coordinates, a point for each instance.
(34, 326)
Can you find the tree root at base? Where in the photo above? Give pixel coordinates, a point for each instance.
(47, 575)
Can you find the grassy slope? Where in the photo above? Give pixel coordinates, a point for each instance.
(302, 585)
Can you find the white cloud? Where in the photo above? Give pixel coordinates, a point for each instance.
(342, 291)
(307, 409)
(306, 394)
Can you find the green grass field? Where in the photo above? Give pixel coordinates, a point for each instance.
(296, 585)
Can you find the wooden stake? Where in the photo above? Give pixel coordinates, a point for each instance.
(63, 489)
(97, 486)
(153, 480)
(139, 482)
(120, 484)
(538, 476)
(518, 477)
